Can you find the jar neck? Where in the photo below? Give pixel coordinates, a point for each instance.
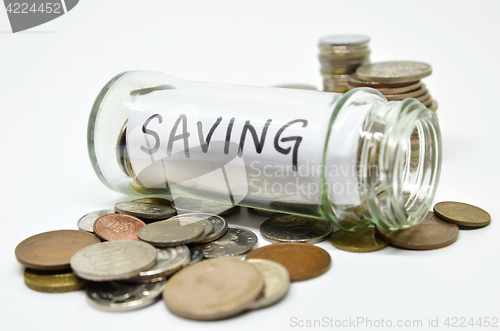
(398, 162)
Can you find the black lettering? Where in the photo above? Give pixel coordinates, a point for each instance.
(297, 140)
(228, 136)
(155, 148)
(184, 136)
(204, 143)
(258, 144)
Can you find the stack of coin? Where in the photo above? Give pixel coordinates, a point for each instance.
(396, 80)
(340, 56)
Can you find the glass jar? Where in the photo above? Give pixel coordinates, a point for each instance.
(351, 158)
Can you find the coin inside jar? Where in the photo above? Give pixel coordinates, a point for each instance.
(118, 227)
(303, 261)
(53, 250)
(213, 289)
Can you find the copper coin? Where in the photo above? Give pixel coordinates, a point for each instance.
(53, 250)
(462, 214)
(431, 233)
(361, 241)
(118, 227)
(413, 94)
(303, 261)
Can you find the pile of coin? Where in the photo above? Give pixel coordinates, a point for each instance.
(396, 80)
(340, 56)
(124, 257)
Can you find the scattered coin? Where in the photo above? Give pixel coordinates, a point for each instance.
(115, 296)
(293, 228)
(171, 233)
(263, 212)
(213, 289)
(236, 241)
(431, 233)
(188, 205)
(361, 241)
(462, 214)
(113, 260)
(303, 261)
(86, 222)
(218, 223)
(276, 282)
(53, 281)
(154, 201)
(148, 211)
(118, 227)
(168, 261)
(53, 250)
(196, 255)
(394, 71)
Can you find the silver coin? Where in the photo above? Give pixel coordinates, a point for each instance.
(218, 223)
(344, 40)
(276, 282)
(189, 205)
(394, 72)
(168, 261)
(236, 241)
(113, 260)
(196, 255)
(115, 296)
(171, 232)
(293, 228)
(145, 210)
(86, 222)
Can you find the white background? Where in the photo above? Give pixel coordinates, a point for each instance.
(50, 75)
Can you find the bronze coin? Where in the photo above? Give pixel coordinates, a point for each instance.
(118, 227)
(53, 250)
(362, 241)
(431, 233)
(53, 281)
(303, 261)
(462, 214)
(412, 94)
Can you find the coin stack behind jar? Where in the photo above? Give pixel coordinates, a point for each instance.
(339, 56)
(396, 80)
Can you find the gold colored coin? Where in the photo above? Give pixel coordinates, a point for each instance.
(53, 282)
(422, 91)
(154, 201)
(365, 240)
(431, 233)
(433, 106)
(462, 214)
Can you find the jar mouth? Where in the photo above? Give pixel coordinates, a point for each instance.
(411, 163)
